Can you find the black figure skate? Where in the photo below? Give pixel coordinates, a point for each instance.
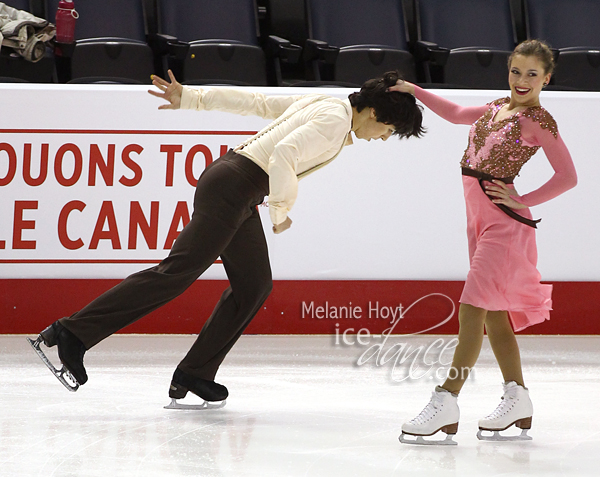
(213, 394)
(70, 351)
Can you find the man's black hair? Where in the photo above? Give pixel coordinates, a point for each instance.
(391, 107)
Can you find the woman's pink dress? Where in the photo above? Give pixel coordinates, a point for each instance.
(502, 251)
(503, 259)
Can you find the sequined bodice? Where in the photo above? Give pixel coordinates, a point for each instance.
(498, 148)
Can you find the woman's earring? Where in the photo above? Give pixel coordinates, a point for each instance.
(544, 85)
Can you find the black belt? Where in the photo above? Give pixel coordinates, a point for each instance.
(483, 176)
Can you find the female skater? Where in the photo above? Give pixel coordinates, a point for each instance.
(503, 285)
(308, 133)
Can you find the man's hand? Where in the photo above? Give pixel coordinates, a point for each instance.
(283, 226)
(170, 92)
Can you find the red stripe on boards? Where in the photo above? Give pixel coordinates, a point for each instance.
(72, 261)
(295, 307)
(156, 132)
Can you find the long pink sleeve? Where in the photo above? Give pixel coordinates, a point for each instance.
(448, 110)
(564, 177)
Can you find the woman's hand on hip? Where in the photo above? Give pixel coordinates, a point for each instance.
(170, 92)
(502, 194)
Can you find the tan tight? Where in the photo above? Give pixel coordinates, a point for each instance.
(472, 321)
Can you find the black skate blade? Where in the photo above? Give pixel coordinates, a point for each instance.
(62, 374)
(419, 440)
(195, 407)
(497, 437)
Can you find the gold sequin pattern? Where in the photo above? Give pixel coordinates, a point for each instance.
(497, 148)
(543, 117)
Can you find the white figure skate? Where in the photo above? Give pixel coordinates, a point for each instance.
(514, 408)
(441, 414)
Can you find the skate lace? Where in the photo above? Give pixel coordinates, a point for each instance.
(428, 410)
(502, 408)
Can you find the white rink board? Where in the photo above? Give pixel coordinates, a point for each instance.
(390, 210)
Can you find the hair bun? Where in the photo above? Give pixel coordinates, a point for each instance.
(391, 78)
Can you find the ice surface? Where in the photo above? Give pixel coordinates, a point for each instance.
(298, 406)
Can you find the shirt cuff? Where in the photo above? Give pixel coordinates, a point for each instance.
(278, 214)
(191, 99)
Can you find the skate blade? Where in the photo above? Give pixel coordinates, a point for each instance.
(419, 440)
(62, 374)
(195, 407)
(497, 437)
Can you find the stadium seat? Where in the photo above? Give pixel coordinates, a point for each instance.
(13, 66)
(351, 41)
(285, 19)
(110, 41)
(466, 43)
(208, 42)
(571, 27)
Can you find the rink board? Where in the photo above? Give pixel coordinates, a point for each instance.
(96, 183)
(298, 307)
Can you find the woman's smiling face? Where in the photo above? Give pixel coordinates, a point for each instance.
(526, 79)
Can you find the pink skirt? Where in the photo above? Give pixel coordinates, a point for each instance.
(503, 258)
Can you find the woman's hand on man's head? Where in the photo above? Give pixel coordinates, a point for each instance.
(402, 86)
